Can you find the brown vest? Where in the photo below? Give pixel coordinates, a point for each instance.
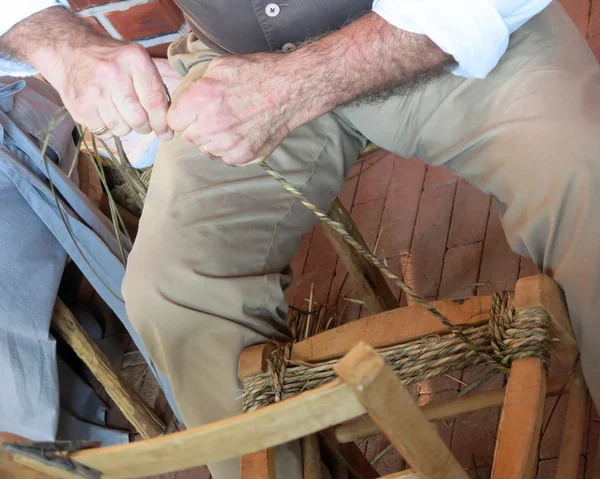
(250, 26)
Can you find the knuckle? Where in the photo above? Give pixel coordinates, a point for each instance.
(134, 52)
(108, 70)
(138, 120)
(155, 100)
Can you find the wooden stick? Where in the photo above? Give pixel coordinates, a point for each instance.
(370, 283)
(311, 457)
(253, 359)
(349, 455)
(393, 327)
(408, 474)
(10, 469)
(521, 422)
(259, 465)
(364, 427)
(391, 406)
(144, 419)
(541, 290)
(575, 421)
(230, 438)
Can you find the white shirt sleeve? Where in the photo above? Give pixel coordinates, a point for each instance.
(12, 13)
(475, 32)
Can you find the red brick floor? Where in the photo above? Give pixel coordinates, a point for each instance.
(445, 238)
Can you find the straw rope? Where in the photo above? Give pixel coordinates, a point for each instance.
(363, 251)
(508, 336)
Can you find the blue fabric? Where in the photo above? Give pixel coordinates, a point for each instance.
(34, 245)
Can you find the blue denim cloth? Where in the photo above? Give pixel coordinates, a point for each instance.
(34, 245)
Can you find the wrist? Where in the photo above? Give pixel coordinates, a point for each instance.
(309, 92)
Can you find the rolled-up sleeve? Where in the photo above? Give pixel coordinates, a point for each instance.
(474, 32)
(13, 13)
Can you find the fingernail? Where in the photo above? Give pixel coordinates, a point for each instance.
(166, 136)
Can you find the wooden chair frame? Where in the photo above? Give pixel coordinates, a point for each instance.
(366, 384)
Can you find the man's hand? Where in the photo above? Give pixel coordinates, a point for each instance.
(244, 106)
(240, 110)
(102, 81)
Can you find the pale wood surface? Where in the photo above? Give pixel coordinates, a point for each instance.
(391, 406)
(408, 474)
(520, 425)
(13, 470)
(238, 436)
(253, 359)
(392, 327)
(144, 419)
(259, 465)
(370, 283)
(364, 427)
(89, 181)
(575, 422)
(311, 457)
(543, 291)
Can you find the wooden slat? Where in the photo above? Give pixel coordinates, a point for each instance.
(575, 422)
(391, 406)
(392, 327)
(370, 283)
(253, 359)
(541, 290)
(408, 474)
(311, 457)
(238, 436)
(349, 455)
(259, 465)
(144, 419)
(521, 422)
(365, 427)
(13, 470)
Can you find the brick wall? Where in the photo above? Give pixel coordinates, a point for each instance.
(152, 23)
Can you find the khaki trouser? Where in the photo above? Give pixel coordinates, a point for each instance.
(207, 272)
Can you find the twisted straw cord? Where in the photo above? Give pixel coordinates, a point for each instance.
(339, 228)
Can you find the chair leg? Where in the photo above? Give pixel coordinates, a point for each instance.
(391, 406)
(311, 457)
(370, 283)
(349, 454)
(521, 423)
(260, 465)
(575, 421)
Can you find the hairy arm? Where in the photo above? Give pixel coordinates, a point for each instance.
(367, 58)
(245, 106)
(102, 81)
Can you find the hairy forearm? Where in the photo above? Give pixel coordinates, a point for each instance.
(43, 39)
(365, 58)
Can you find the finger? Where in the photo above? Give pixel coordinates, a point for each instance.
(231, 149)
(183, 112)
(194, 135)
(113, 119)
(152, 94)
(128, 104)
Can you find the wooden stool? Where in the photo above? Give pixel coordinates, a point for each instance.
(365, 383)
